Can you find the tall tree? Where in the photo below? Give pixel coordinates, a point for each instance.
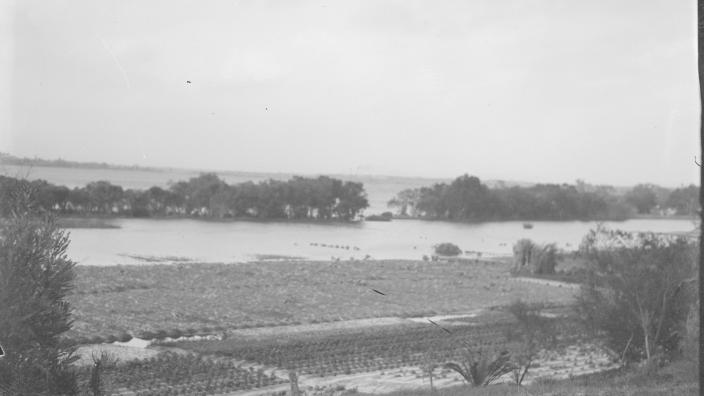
(35, 278)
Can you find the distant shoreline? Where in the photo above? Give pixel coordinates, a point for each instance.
(102, 221)
(8, 159)
(616, 219)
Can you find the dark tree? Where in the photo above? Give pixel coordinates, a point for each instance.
(103, 195)
(35, 278)
(684, 200)
(642, 197)
(405, 201)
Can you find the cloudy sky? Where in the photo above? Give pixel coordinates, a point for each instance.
(533, 90)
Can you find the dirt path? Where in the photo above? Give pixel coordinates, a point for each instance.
(547, 282)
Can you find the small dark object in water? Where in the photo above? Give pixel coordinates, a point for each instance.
(378, 292)
(527, 226)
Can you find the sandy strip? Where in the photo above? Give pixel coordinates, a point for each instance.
(547, 282)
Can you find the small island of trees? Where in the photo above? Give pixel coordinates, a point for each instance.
(204, 196)
(468, 199)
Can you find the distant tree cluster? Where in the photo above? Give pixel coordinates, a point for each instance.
(207, 195)
(468, 199)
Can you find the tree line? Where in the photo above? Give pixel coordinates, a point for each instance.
(468, 199)
(321, 198)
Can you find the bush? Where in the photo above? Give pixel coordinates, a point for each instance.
(535, 258)
(639, 291)
(447, 249)
(544, 259)
(522, 251)
(480, 368)
(35, 280)
(124, 337)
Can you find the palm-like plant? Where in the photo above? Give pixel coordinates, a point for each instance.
(481, 368)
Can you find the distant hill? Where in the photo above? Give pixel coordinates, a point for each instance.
(9, 159)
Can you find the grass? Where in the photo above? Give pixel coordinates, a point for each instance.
(133, 299)
(677, 379)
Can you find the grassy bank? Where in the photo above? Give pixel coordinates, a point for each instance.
(212, 297)
(678, 379)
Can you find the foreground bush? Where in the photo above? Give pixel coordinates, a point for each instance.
(481, 368)
(35, 278)
(639, 291)
(534, 258)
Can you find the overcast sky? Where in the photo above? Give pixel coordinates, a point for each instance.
(533, 90)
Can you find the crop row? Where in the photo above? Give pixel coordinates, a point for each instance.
(364, 352)
(178, 374)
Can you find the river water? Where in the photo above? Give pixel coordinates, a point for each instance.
(140, 241)
(144, 240)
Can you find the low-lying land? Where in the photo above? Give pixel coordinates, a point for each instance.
(150, 301)
(380, 358)
(343, 328)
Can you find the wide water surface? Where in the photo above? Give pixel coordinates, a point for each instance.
(179, 240)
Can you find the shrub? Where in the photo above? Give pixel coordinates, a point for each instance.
(538, 259)
(124, 337)
(522, 251)
(544, 259)
(481, 368)
(101, 361)
(447, 249)
(35, 280)
(639, 291)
